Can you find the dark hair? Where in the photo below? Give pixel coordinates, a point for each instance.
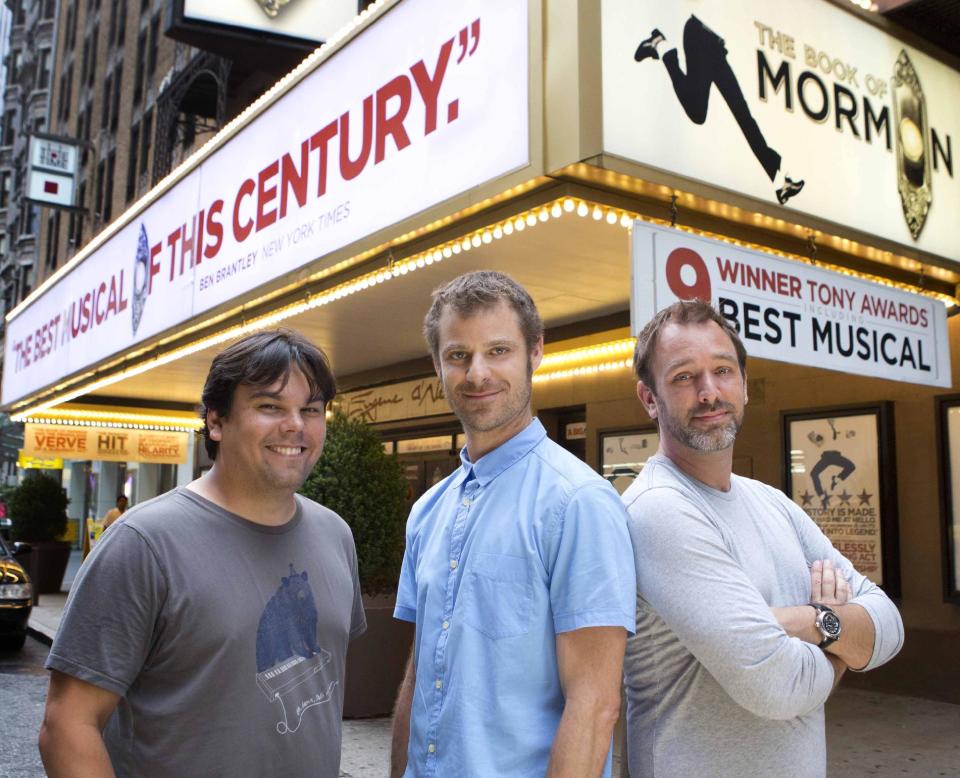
(683, 312)
(122, 497)
(260, 360)
(477, 291)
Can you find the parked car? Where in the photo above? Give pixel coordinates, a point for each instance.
(5, 525)
(16, 598)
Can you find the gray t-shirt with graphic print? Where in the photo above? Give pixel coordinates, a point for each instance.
(226, 639)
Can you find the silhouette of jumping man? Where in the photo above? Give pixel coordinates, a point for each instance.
(830, 459)
(707, 64)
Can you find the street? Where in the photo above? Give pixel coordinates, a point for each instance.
(23, 689)
(868, 734)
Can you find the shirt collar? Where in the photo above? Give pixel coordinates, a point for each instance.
(490, 465)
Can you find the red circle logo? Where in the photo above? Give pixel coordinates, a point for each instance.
(700, 288)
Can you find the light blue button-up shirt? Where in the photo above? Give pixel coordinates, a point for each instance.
(501, 556)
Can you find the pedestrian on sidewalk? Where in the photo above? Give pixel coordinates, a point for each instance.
(116, 512)
(207, 632)
(747, 616)
(517, 572)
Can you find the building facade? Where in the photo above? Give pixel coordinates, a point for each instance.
(29, 63)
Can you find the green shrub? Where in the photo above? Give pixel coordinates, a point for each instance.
(366, 487)
(37, 508)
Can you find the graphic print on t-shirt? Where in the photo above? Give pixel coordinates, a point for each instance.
(289, 658)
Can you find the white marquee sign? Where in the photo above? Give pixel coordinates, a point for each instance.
(791, 312)
(428, 102)
(742, 94)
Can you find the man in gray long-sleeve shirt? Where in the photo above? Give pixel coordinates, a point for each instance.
(746, 614)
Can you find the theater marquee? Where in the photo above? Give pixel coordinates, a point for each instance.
(110, 444)
(387, 127)
(800, 104)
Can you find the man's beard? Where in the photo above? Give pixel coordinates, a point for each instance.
(516, 401)
(716, 439)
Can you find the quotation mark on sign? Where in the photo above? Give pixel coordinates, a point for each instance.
(468, 40)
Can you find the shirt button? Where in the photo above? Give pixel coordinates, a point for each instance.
(465, 502)
(453, 564)
(438, 683)
(446, 625)
(431, 748)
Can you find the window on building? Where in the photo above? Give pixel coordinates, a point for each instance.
(122, 23)
(83, 132)
(138, 73)
(115, 110)
(9, 128)
(75, 230)
(105, 101)
(108, 189)
(70, 27)
(49, 9)
(154, 44)
(28, 219)
(132, 162)
(61, 100)
(114, 18)
(20, 14)
(53, 240)
(68, 100)
(85, 61)
(4, 188)
(43, 69)
(98, 195)
(145, 138)
(95, 33)
(24, 283)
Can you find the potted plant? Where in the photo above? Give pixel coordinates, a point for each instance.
(38, 515)
(356, 479)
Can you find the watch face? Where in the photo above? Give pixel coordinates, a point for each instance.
(831, 624)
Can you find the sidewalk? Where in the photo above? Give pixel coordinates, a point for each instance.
(45, 617)
(868, 733)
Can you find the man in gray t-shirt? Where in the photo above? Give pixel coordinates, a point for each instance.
(207, 633)
(746, 615)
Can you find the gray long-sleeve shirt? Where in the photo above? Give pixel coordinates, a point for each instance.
(714, 684)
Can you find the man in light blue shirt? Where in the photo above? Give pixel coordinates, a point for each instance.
(518, 570)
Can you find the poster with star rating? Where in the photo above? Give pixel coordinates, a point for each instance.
(836, 475)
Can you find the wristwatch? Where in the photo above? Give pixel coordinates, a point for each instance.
(828, 623)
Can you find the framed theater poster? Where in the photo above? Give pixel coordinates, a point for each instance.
(948, 436)
(839, 467)
(623, 454)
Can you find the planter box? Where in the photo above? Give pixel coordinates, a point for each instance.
(375, 664)
(47, 564)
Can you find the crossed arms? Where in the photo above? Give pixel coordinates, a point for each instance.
(706, 586)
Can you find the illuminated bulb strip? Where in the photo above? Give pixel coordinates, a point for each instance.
(71, 415)
(111, 424)
(560, 208)
(588, 354)
(474, 239)
(583, 370)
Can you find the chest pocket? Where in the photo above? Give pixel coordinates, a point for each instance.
(498, 594)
